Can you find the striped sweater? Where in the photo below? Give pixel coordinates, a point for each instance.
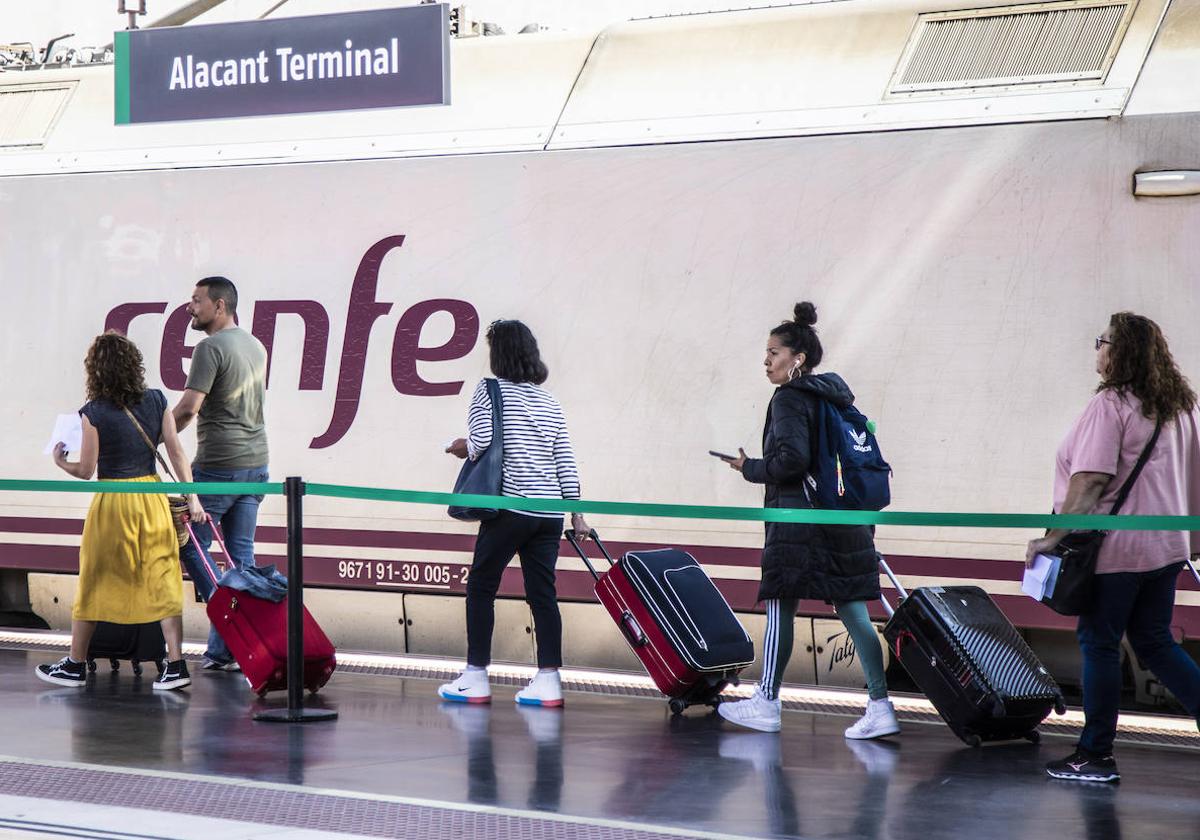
(538, 460)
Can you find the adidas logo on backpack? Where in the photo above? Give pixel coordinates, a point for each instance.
(848, 472)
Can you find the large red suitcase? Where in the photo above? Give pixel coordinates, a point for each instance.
(255, 631)
(674, 620)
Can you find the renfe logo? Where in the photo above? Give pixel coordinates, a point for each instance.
(362, 312)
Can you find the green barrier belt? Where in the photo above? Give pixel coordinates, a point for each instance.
(732, 514)
(757, 514)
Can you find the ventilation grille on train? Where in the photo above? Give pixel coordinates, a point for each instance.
(1012, 45)
(28, 112)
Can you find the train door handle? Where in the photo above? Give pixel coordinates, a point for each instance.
(632, 630)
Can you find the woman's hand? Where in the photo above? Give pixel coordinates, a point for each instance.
(580, 526)
(458, 448)
(738, 462)
(1042, 545)
(60, 455)
(196, 511)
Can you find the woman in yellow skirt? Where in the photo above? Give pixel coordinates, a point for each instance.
(129, 558)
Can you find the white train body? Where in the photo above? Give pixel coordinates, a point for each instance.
(651, 200)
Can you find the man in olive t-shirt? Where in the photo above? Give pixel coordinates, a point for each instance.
(224, 394)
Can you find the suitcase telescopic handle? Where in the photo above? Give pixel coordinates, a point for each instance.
(187, 521)
(1192, 566)
(572, 538)
(887, 570)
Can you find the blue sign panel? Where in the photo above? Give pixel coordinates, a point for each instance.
(376, 59)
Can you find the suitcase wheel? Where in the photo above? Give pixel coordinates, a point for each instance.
(1060, 706)
(677, 706)
(1033, 736)
(115, 665)
(91, 663)
(973, 740)
(137, 667)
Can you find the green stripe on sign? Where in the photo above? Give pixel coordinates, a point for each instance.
(121, 78)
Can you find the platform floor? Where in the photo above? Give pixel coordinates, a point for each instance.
(399, 763)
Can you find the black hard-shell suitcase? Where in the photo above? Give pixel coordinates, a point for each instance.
(136, 642)
(972, 664)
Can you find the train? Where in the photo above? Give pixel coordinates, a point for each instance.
(966, 189)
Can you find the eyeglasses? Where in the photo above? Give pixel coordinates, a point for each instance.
(1101, 340)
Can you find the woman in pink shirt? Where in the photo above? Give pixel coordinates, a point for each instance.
(1134, 590)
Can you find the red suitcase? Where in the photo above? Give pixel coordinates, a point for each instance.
(255, 630)
(675, 620)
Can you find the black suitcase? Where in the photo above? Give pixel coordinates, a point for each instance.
(972, 664)
(136, 642)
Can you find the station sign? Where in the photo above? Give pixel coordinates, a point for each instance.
(386, 58)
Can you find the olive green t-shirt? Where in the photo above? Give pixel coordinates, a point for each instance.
(230, 368)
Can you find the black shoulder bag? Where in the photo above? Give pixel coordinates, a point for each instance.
(1078, 551)
(485, 475)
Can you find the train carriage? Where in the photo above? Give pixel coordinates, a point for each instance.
(650, 203)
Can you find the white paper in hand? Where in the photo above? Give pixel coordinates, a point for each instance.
(1039, 579)
(68, 430)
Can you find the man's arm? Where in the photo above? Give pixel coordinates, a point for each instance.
(187, 408)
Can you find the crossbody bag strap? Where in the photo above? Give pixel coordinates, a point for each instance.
(497, 401)
(1137, 469)
(146, 438)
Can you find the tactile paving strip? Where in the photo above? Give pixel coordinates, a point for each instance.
(298, 809)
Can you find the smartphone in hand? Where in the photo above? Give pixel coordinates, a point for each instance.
(722, 455)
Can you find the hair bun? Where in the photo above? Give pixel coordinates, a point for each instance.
(806, 314)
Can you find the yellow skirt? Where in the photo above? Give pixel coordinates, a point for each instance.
(129, 560)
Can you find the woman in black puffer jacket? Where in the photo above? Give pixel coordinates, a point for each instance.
(834, 563)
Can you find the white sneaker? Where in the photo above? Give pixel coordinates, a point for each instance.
(879, 720)
(545, 689)
(757, 712)
(470, 687)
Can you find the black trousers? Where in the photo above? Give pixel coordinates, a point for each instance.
(535, 539)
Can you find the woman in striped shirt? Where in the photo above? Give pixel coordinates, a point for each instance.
(538, 464)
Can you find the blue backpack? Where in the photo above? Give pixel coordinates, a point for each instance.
(848, 472)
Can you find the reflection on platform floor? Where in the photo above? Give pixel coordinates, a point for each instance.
(601, 758)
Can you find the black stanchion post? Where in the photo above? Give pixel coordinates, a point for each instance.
(295, 712)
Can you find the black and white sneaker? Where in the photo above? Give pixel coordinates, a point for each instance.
(213, 665)
(174, 676)
(1080, 767)
(63, 672)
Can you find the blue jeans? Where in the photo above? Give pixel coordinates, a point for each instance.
(1137, 604)
(238, 517)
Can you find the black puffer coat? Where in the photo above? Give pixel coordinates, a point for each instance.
(821, 562)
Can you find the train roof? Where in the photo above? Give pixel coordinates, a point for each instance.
(819, 68)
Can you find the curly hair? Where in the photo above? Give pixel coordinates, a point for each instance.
(1140, 363)
(115, 370)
